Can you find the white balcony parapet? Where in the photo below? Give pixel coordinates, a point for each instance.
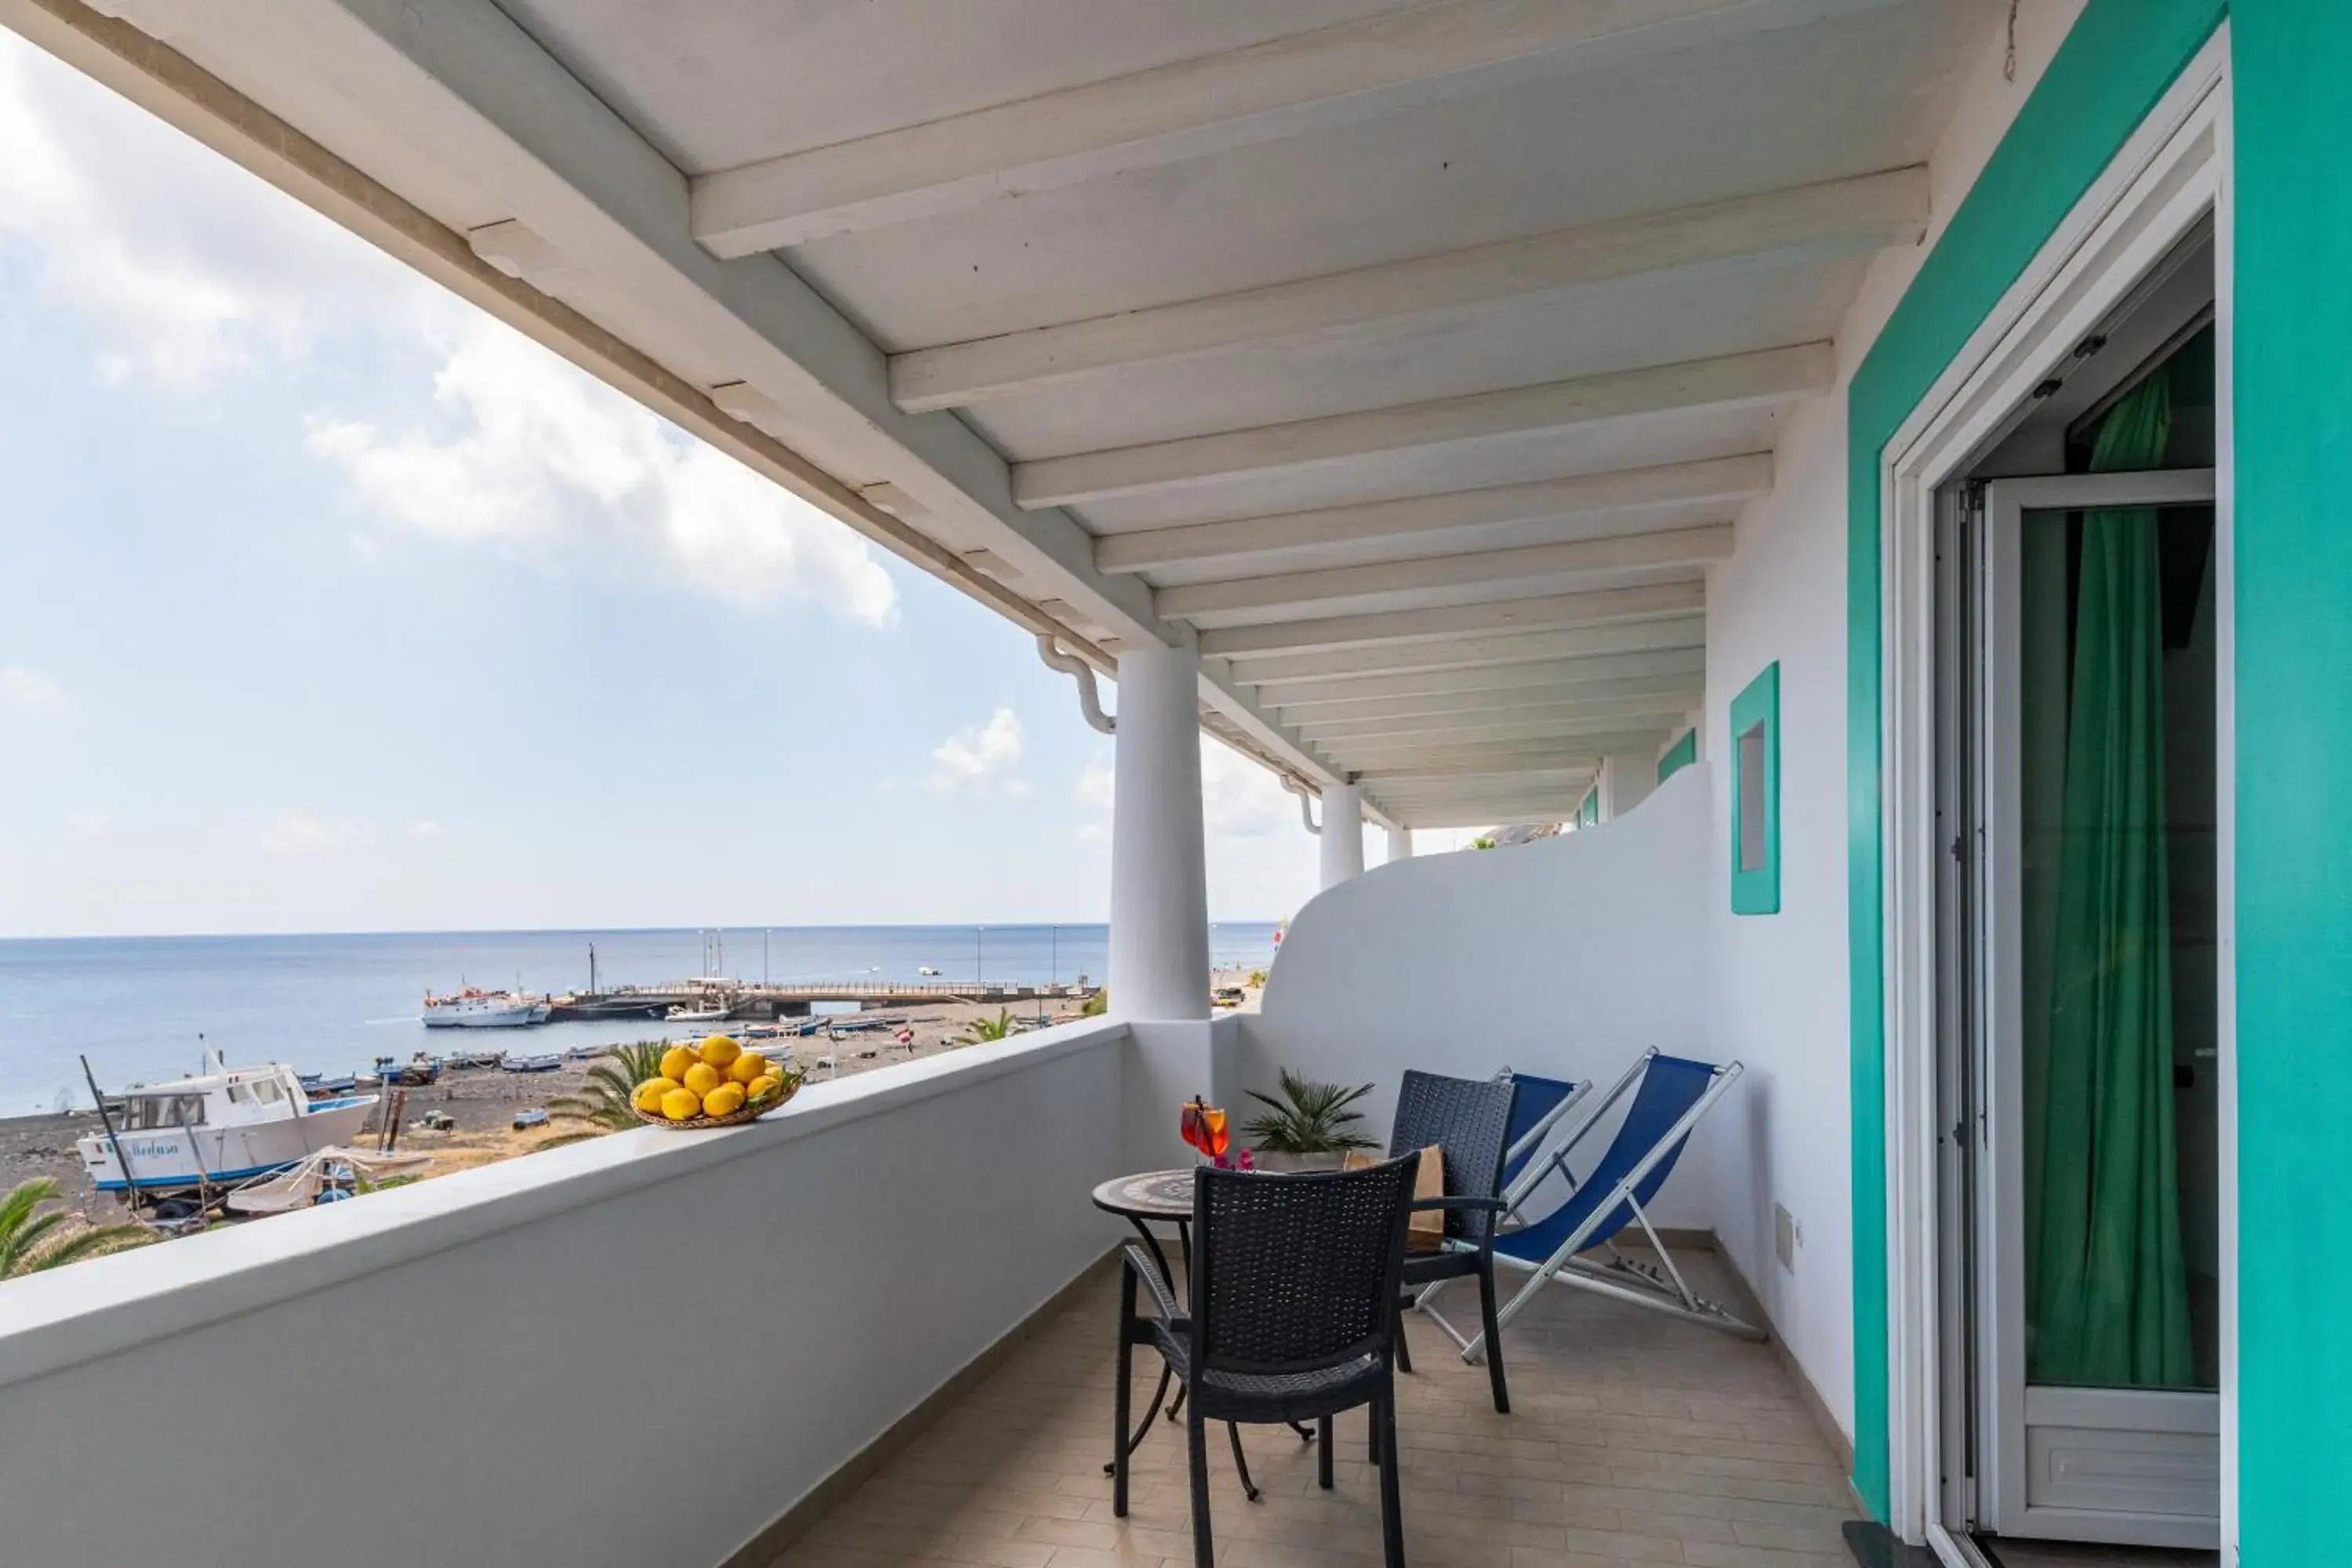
(640, 1349)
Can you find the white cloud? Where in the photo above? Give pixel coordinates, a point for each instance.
(182, 265)
(185, 268)
(1240, 799)
(424, 828)
(295, 833)
(981, 757)
(90, 823)
(535, 456)
(28, 691)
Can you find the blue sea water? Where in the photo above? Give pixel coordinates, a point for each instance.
(138, 1006)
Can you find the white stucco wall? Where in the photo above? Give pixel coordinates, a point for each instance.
(1779, 983)
(634, 1351)
(1565, 957)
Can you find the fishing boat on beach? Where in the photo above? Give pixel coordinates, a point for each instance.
(228, 1125)
(545, 1061)
(473, 1008)
(423, 1068)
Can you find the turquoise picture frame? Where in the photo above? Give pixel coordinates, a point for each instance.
(1754, 756)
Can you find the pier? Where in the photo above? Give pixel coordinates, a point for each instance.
(768, 1003)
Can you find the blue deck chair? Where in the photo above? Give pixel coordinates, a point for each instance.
(1541, 1103)
(1673, 1093)
(1539, 1107)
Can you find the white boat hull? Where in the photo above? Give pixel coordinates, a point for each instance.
(505, 1016)
(175, 1158)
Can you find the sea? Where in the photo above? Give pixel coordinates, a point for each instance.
(145, 1010)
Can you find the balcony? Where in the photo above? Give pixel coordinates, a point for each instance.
(874, 1328)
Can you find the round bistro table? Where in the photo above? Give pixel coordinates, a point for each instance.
(1165, 1198)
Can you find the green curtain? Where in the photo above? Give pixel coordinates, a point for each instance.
(2110, 1287)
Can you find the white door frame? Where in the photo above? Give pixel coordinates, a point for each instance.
(2171, 173)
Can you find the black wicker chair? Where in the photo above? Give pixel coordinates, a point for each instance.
(1293, 1285)
(1470, 1119)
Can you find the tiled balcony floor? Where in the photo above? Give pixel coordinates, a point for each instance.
(1633, 1439)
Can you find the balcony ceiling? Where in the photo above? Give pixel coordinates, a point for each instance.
(1416, 357)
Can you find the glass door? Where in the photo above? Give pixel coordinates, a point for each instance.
(2095, 762)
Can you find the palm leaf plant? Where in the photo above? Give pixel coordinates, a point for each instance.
(31, 1241)
(981, 1031)
(1309, 1118)
(603, 1102)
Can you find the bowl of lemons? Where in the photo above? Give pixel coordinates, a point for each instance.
(715, 1083)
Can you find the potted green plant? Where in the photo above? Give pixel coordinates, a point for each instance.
(1308, 1127)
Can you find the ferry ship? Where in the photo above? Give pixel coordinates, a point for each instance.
(227, 1125)
(475, 1009)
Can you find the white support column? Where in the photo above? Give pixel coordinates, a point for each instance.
(1342, 839)
(1159, 879)
(1399, 844)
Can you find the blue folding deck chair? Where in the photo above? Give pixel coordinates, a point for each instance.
(1536, 1110)
(1673, 1094)
(1541, 1103)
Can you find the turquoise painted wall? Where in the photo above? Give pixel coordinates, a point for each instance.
(2112, 67)
(2292, 60)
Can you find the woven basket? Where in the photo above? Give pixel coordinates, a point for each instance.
(733, 1119)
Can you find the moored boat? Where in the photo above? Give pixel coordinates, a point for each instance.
(473, 1008)
(228, 1125)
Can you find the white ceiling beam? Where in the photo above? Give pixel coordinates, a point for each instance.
(1726, 481)
(1499, 797)
(1526, 573)
(1386, 758)
(1490, 793)
(1666, 693)
(1381, 661)
(1563, 772)
(1333, 76)
(1605, 675)
(1731, 381)
(1437, 819)
(1867, 211)
(1529, 721)
(1459, 620)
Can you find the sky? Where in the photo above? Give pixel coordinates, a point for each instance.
(328, 603)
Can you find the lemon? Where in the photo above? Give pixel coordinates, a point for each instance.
(720, 1049)
(765, 1089)
(681, 1105)
(724, 1100)
(701, 1078)
(674, 1061)
(746, 1068)
(649, 1094)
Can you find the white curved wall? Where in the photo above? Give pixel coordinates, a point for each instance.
(1565, 957)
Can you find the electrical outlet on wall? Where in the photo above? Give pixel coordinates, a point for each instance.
(1787, 1236)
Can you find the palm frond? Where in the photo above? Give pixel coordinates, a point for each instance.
(979, 1031)
(31, 1242)
(87, 1241)
(1309, 1118)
